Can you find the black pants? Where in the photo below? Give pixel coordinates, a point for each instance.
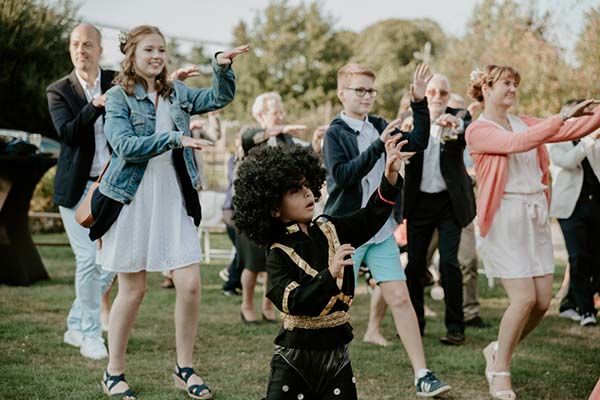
(311, 375)
(581, 232)
(235, 272)
(435, 211)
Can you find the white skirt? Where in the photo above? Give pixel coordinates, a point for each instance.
(519, 242)
(153, 232)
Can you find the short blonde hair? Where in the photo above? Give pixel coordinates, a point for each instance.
(260, 102)
(351, 70)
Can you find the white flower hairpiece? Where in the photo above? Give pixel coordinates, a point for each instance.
(123, 37)
(476, 73)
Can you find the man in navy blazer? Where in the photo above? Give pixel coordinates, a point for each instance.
(76, 104)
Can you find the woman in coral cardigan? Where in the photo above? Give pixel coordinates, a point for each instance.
(511, 164)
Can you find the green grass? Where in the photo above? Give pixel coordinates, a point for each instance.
(559, 360)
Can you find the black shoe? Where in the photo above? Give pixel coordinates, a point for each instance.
(268, 320)
(453, 338)
(477, 322)
(247, 321)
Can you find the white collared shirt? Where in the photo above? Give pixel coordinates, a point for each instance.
(369, 183)
(101, 155)
(432, 180)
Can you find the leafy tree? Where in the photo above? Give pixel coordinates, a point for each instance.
(507, 33)
(389, 47)
(34, 53)
(588, 55)
(294, 51)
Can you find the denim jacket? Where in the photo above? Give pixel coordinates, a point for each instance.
(130, 124)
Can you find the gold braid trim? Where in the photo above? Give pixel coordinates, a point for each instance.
(330, 233)
(290, 322)
(286, 294)
(329, 306)
(342, 297)
(296, 259)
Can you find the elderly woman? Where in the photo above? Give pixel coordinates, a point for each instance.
(268, 111)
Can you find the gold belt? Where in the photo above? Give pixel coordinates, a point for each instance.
(326, 321)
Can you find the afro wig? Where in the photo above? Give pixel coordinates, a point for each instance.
(263, 177)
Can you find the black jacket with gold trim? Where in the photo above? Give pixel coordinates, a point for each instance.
(314, 305)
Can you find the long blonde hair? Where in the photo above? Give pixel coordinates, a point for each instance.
(127, 77)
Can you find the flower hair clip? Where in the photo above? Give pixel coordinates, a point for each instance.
(476, 73)
(123, 37)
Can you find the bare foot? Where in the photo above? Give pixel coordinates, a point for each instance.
(375, 338)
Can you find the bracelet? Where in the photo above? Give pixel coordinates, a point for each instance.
(383, 198)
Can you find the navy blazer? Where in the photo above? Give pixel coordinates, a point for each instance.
(73, 117)
(346, 166)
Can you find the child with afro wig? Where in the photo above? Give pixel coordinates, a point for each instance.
(309, 263)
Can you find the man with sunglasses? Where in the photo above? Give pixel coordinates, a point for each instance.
(438, 195)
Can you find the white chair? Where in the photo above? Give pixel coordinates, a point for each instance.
(212, 222)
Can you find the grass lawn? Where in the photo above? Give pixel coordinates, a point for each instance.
(560, 360)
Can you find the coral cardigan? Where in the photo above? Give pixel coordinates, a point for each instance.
(490, 145)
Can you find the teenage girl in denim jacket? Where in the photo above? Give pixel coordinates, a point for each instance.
(147, 206)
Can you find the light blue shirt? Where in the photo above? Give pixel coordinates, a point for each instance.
(369, 183)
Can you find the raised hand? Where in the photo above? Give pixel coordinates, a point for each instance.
(317, 138)
(227, 57)
(581, 109)
(389, 129)
(448, 121)
(395, 158)
(421, 78)
(198, 123)
(341, 259)
(184, 73)
(294, 130)
(196, 144)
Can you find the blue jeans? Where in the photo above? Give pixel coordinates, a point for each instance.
(91, 281)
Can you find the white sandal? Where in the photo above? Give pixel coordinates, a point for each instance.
(507, 394)
(489, 353)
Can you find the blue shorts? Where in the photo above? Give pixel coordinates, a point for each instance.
(383, 259)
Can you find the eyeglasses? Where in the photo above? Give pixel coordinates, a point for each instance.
(432, 92)
(360, 92)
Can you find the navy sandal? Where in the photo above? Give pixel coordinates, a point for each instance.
(181, 376)
(109, 382)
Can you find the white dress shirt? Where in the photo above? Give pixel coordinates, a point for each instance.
(369, 183)
(101, 155)
(432, 180)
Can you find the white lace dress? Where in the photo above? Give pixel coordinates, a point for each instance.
(153, 232)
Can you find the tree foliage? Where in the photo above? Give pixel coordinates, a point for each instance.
(34, 53)
(295, 51)
(588, 55)
(389, 47)
(506, 33)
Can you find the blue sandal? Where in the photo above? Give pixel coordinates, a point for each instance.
(107, 386)
(181, 376)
